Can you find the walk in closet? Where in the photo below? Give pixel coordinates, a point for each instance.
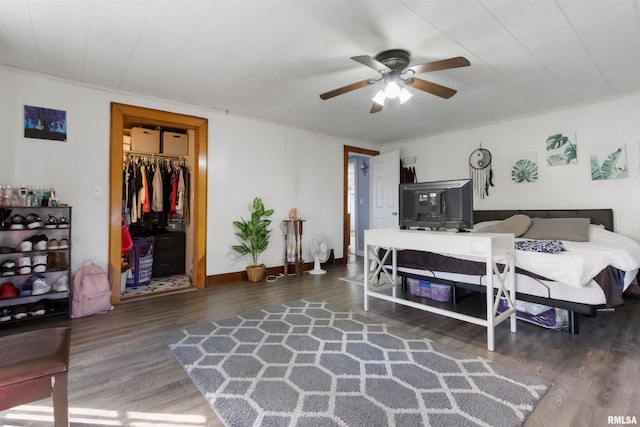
(156, 188)
(154, 193)
(155, 208)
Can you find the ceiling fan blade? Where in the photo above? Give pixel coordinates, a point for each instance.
(432, 88)
(345, 89)
(371, 63)
(375, 108)
(443, 64)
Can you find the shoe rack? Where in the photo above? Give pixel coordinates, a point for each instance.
(35, 263)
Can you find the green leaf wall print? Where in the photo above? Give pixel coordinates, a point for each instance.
(524, 170)
(562, 149)
(609, 162)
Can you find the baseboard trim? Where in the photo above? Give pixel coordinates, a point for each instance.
(241, 276)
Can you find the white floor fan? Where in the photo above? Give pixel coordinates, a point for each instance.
(320, 252)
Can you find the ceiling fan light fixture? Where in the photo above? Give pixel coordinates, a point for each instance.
(397, 75)
(404, 95)
(379, 98)
(392, 90)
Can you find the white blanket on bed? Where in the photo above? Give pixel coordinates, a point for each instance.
(583, 260)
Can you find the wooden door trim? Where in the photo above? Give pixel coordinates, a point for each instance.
(121, 114)
(345, 194)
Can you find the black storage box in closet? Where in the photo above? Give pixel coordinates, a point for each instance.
(169, 254)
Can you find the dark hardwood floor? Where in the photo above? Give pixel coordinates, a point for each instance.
(122, 372)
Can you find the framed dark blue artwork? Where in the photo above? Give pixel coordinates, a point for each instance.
(45, 123)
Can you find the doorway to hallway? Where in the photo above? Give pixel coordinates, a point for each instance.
(356, 201)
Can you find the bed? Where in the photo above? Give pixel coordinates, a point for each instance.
(588, 276)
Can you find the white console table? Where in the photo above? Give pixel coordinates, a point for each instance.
(492, 248)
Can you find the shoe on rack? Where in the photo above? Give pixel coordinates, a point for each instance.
(4, 217)
(57, 261)
(5, 314)
(27, 287)
(17, 222)
(52, 245)
(40, 286)
(62, 284)
(19, 312)
(41, 243)
(26, 245)
(8, 290)
(24, 265)
(38, 310)
(63, 244)
(61, 260)
(40, 263)
(63, 222)
(9, 268)
(51, 222)
(52, 261)
(33, 221)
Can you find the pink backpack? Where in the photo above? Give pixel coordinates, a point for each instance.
(91, 291)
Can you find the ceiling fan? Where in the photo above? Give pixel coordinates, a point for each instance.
(393, 65)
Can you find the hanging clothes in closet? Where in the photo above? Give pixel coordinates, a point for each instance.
(155, 191)
(407, 174)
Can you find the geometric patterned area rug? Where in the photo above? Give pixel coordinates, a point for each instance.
(375, 281)
(308, 363)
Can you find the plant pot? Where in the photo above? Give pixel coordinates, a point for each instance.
(255, 273)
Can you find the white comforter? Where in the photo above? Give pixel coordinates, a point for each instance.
(584, 260)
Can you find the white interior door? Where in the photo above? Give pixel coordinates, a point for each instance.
(385, 183)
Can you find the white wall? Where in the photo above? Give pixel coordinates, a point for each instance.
(610, 122)
(287, 167)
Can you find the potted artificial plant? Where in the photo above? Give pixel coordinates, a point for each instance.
(255, 238)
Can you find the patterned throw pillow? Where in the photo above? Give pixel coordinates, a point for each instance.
(546, 246)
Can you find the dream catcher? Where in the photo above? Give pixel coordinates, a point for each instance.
(481, 172)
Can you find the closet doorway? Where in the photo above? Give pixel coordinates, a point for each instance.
(122, 117)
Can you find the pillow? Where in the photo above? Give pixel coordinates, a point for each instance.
(483, 224)
(517, 225)
(544, 246)
(574, 229)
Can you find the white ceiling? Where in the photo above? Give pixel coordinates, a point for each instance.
(271, 59)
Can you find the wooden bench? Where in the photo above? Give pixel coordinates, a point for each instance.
(34, 366)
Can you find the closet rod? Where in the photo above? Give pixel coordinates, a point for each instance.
(165, 156)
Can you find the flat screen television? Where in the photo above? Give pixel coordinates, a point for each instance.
(437, 205)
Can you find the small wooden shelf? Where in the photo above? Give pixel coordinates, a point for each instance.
(293, 245)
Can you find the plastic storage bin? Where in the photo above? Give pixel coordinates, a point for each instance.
(434, 291)
(143, 262)
(538, 314)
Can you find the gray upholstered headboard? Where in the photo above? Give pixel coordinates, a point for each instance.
(597, 216)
